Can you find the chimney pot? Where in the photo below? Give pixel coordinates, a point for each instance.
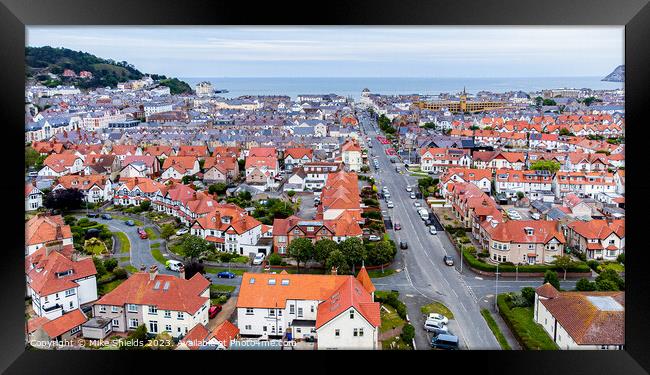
(334, 271)
(181, 272)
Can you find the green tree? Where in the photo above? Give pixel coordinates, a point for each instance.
(167, 231)
(520, 195)
(565, 132)
(529, 294)
(323, 248)
(338, 260)
(382, 253)
(549, 102)
(546, 165)
(408, 333)
(99, 266)
(621, 258)
(301, 249)
(551, 278)
(564, 262)
(606, 285)
(163, 341)
(31, 156)
(354, 251)
(291, 193)
(145, 205)
(275, 259)
(609, 274)
(219, 188)
(110, 264)
(195, 247)
(584, 285)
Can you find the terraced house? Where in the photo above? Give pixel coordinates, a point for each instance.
(95, 188)
(163, 303)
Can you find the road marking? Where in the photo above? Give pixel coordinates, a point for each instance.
(478, 278)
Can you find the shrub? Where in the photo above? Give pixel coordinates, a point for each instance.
(120, 273)
(621, 258)
(275, 259)
(584, 285)
(593, 264)
(517, 300)
(110, 264)
(529, 294)
(464, 240)
(227, 257)
(408, 333)
(99, 266)
(551, 278)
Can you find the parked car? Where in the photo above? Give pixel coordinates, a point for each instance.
(259, 258)
(433, 230)
(93, 214)
(387, 194)
(214, 310)
(403, 245)
(448, 260)
(435, 326)
(182, 231)
(444, 341)
(438, 317)
(417, 204)
(106, 217)
(397, 226)
(173, 265)
(390, 204)
(226, 275)
(412, 196)
(409, 188)
(374, 238)
(428, 222)
(129, 223)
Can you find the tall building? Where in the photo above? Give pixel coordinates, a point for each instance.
(203, 88)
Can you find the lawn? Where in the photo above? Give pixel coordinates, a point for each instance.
(176, 248)
(151, 234)
(495, 329)
(222, 288)
(155, 245)
(437, 307)
(105, 288)
(125, 245)
(131, 269)
(157, 255)
(377, 273)
(389, 319)
(215, 271)
(95, 247)
(399, 344)
(615, 266)
(520, 319)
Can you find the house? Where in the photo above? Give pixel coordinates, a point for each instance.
(220, 168)
(140, 166)
(42, 229)
(340, 194)
(297, 156)
(583, 184)
(261, 166)
(56, 165)
(338, 311)
(472, 207)
(576, 206)
(33, 198)
(286, 230)
(494, 160)
(95, 188)
(511, 181)
(122, 151)
(177, 167)
(232, 230)
(597, 239)
(581, 320)
(200, 152)
(45, 333)
(524, 241)
(199, 338)
(132, 191)
(316, 174)
(163, 303)
(479, 177)
(351, 155)
(57, 282)
(437, 160)
(159, 151)
(102, 164)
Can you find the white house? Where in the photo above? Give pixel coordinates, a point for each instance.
(581, 320)
(33, 198)
(42, 229)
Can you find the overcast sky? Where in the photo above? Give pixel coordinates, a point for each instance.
(349, 51)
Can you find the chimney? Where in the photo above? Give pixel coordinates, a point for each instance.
(181, 272)
(59, 233)
(153, 272)
(334, 271)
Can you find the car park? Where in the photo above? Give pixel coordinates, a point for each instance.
(214, 310)
(444, 341)
(259, 258)
(106, 217)
(129, 223)
(448, 260)
(182, 231)
(439, 317)
(432, 230)
(226, 275)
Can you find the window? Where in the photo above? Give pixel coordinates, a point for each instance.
(337, 332)
(247, 327)
(133, 323)
(298, 330)
(115, 322)
(168, 327)
(69, 292)
(101, 308)
(132, 308)
(299, 312)
(360, 331)
(355, 332)
(271, 312)
(249, 311)
(168, 314)
(115, 309)
(312, 308)
(180, 315)
(153, 310)
(75, 330)
(292, 309)
(351, 314)
(153, 326)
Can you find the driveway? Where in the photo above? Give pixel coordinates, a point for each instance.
(307, 209)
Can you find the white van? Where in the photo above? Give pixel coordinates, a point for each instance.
(173, 265)
(424, 214)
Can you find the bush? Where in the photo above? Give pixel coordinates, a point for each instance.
(593, 264)
(621, 258)
(390, 299)
(517, 300)
(275, 259)
(69, 220)
(227, 257)
(372, 215)
(99, 266)
(120, 273)
(481, 265)
(584, 285)
(110, 264)
(529, 294)
(464, 240)
(551, 278)
(408, 333)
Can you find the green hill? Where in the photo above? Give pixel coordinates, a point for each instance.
(106, 72)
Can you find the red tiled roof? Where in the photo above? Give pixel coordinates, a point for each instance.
(64, 323)
(40, 229)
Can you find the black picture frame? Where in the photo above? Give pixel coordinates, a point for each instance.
(634, 14)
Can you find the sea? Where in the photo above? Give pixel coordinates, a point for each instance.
(352, 87)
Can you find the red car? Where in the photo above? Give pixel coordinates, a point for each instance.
(397, 226)
(142, 233)
(214, 310)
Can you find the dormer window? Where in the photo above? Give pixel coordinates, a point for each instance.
(529, 231)
(64, 273)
